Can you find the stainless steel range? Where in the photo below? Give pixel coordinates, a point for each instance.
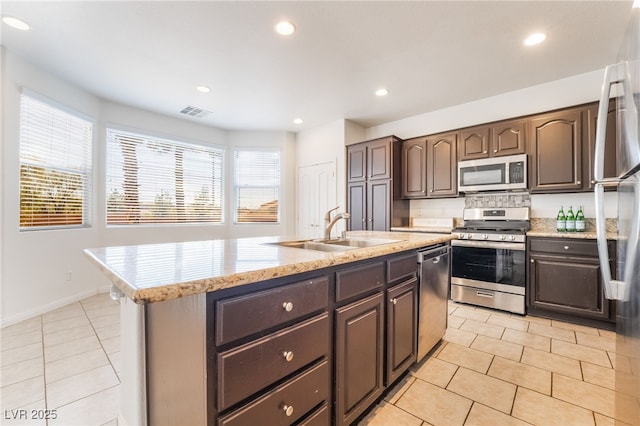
(488, 259)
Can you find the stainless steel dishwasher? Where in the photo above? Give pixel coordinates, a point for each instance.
(434, 288)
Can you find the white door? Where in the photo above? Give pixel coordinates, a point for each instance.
(316, 195)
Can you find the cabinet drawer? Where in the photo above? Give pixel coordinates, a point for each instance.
(301, 394)
(245, 370)
(359, 280)
(244, 315)
(566, 246)
(402, 267)
(320, 418)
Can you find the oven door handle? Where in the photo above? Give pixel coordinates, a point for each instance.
(489, 244)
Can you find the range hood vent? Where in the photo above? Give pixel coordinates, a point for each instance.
(195, 112)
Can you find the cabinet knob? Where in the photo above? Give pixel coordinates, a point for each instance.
(532, 261)
(578, 182)
(495, 150)
(566, 247)
(484, 152)
(394, 300)
(288, 410)
(288, 355)
(431, 190)
(287, 306)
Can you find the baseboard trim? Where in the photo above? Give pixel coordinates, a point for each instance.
(5, 322)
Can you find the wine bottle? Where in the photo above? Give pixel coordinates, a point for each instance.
(571, 220)
(580, 225)
(561, 221)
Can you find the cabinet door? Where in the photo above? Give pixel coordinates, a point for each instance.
(357, 206)
(379, 205)
(567, 285)
(442, 166)
(356, 163)
(414, 168)
(379, 159)
(556, 152)
(402, 328)
(610, 153)
(359, 357)
(508, 138)
(474, 143)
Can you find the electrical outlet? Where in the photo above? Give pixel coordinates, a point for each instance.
(69, 275)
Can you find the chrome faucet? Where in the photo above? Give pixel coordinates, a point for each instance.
(329, 223)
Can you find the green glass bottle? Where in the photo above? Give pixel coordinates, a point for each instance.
(571, 220)
(580, 225)
(561, 221)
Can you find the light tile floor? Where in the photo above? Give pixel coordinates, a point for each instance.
(67, 362)
(492, 368)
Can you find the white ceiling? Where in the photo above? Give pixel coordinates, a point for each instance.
(429, 54)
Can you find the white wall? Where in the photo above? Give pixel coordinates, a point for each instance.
(34, 264)
(570, 91)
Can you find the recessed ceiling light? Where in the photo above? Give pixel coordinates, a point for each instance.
(203, 89)
(534, 39)
(285, 28)
(15, 23)
(382, 92)
(298, 121)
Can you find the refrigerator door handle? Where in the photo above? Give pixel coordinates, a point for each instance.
(612, 288)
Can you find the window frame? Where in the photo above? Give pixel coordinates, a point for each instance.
(87, 172)
(174, 141)
(236, 187)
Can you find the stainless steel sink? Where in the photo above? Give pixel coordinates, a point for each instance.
(336, 245)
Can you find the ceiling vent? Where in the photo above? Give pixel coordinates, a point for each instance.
(195, 112)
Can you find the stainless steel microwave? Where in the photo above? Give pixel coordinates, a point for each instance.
(493, 174)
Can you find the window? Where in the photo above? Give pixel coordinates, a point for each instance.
(257, 186)
(153, 180)
(55, 165)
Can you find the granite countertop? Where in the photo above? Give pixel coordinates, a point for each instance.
(545, 227)
(157, 272)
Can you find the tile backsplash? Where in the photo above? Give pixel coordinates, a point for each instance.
(498, 199)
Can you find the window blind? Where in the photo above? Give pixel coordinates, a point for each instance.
(154, 180)
(257, 186)
(55, 165)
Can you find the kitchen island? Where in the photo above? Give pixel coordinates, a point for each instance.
(226, 331)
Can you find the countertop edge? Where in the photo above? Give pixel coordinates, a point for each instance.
(230, 280)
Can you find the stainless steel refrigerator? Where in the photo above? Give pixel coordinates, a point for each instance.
(622, 81)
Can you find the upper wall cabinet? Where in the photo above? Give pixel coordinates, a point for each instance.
(429, 166)
(589, 150)
(555, 152)
(493, 140)
(442, 165)
(414, 168)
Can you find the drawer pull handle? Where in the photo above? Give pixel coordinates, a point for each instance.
(483, 294)
(287, 306)
(288, 410)
(288, 355)
(566, 247)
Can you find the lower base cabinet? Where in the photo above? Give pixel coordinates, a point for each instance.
(565, 280)
(402, 316)
(359, 355)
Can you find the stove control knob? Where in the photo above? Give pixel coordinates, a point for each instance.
(485, 237)
(503, 237)
(512, 237)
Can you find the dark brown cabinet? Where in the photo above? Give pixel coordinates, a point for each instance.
(429, 166)
(402, 317)
(564, 280)
(414, 168)
(442, 165)
(590, 147)
(359, 356)
(373, 186)
(555, 160)
(493, 140)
